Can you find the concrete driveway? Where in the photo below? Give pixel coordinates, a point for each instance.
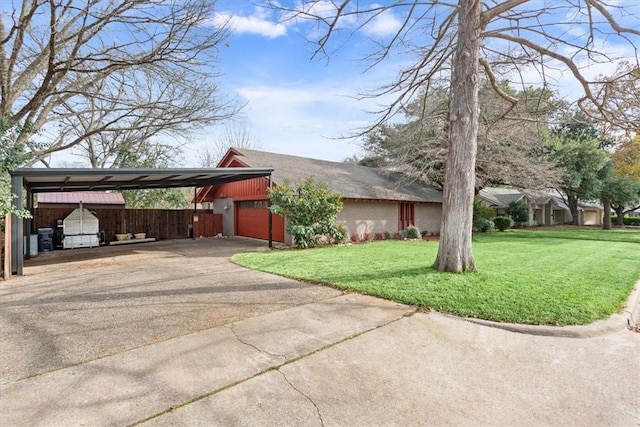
(303, 355)
(78, 305)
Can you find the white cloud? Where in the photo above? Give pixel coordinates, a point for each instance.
(384, 24)
(258, 23)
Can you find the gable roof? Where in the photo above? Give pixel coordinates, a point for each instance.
(86, 197)
(351, 180)
(501, 197)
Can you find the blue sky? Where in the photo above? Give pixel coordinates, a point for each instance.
(295, 104)
(301, 105)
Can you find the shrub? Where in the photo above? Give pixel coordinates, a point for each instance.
(412, 232)
(337, 233)
(379, 236)
(503, 222)
(518, 211)
(481, 225)
(424, 234)
(367, 237)
(481, 217)
(628, 220)
(387, 235)
(355, 237)
(311, 209)
(480, 210)
(397, 235)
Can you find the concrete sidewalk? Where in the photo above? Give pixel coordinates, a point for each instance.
(430, 369)
(351, 360)
(129, 387)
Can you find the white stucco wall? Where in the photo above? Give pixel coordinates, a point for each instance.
(377, 217)
(369, 217)
(428, 217)
(225, 207)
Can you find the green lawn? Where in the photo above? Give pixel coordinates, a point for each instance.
(531, 277)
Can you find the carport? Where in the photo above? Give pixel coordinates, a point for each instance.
(33, 181)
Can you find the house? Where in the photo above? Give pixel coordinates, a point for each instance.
(375, 201)
(89, 199)
(545, 207)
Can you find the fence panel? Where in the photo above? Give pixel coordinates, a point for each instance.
(161, 224)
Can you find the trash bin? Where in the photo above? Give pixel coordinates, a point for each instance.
(45, 239)
(33, 245)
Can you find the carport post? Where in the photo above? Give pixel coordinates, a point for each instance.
(17, 232)
(29, 223)
(195, 212)
(270, 216)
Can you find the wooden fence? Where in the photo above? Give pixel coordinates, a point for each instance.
(5, 255)
(160, 224)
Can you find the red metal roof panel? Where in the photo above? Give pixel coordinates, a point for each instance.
(88, 197)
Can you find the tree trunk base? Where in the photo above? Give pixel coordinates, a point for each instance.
(454, 263)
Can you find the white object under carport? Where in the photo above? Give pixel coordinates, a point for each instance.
(80, 229)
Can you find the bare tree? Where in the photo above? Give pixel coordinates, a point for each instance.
(510, 145)
(459, 37)
(105, 72)
(619, 93)
(139, 112)
(235, 136)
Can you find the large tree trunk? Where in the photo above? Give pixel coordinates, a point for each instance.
(454, 251)
(606, 221)
(572, 201)
(619, 214)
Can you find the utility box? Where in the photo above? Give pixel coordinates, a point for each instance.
(45, 239)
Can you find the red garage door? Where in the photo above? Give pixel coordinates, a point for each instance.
(252, 220)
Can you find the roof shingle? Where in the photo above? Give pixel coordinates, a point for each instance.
(351, 180)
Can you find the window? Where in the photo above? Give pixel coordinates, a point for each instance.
(254, 204)
(406, 215)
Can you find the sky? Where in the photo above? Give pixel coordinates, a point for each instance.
(302, 105)
(295, 104)
(307, 106)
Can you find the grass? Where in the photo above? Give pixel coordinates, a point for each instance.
(530, 277)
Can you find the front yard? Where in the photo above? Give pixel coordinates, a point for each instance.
(560, 277)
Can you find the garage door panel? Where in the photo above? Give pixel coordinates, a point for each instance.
(253, 221)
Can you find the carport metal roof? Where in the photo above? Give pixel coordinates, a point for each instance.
(50, 180)
(40, 180)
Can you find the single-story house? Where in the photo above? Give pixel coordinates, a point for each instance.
(375, 201)
(545, 207)
(89, 199)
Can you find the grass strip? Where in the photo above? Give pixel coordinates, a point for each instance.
(567, 277)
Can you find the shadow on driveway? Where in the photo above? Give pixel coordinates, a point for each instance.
(79, 305)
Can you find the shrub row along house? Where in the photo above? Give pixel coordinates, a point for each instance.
(375, 201)
(545, 207)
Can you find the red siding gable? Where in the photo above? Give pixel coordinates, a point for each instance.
(251, 189)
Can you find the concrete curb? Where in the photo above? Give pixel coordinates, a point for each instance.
(628, 318)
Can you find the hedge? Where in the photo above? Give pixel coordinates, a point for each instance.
(628, 220)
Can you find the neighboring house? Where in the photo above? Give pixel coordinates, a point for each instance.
(374, 201)
(545, 207)
(89, 199)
